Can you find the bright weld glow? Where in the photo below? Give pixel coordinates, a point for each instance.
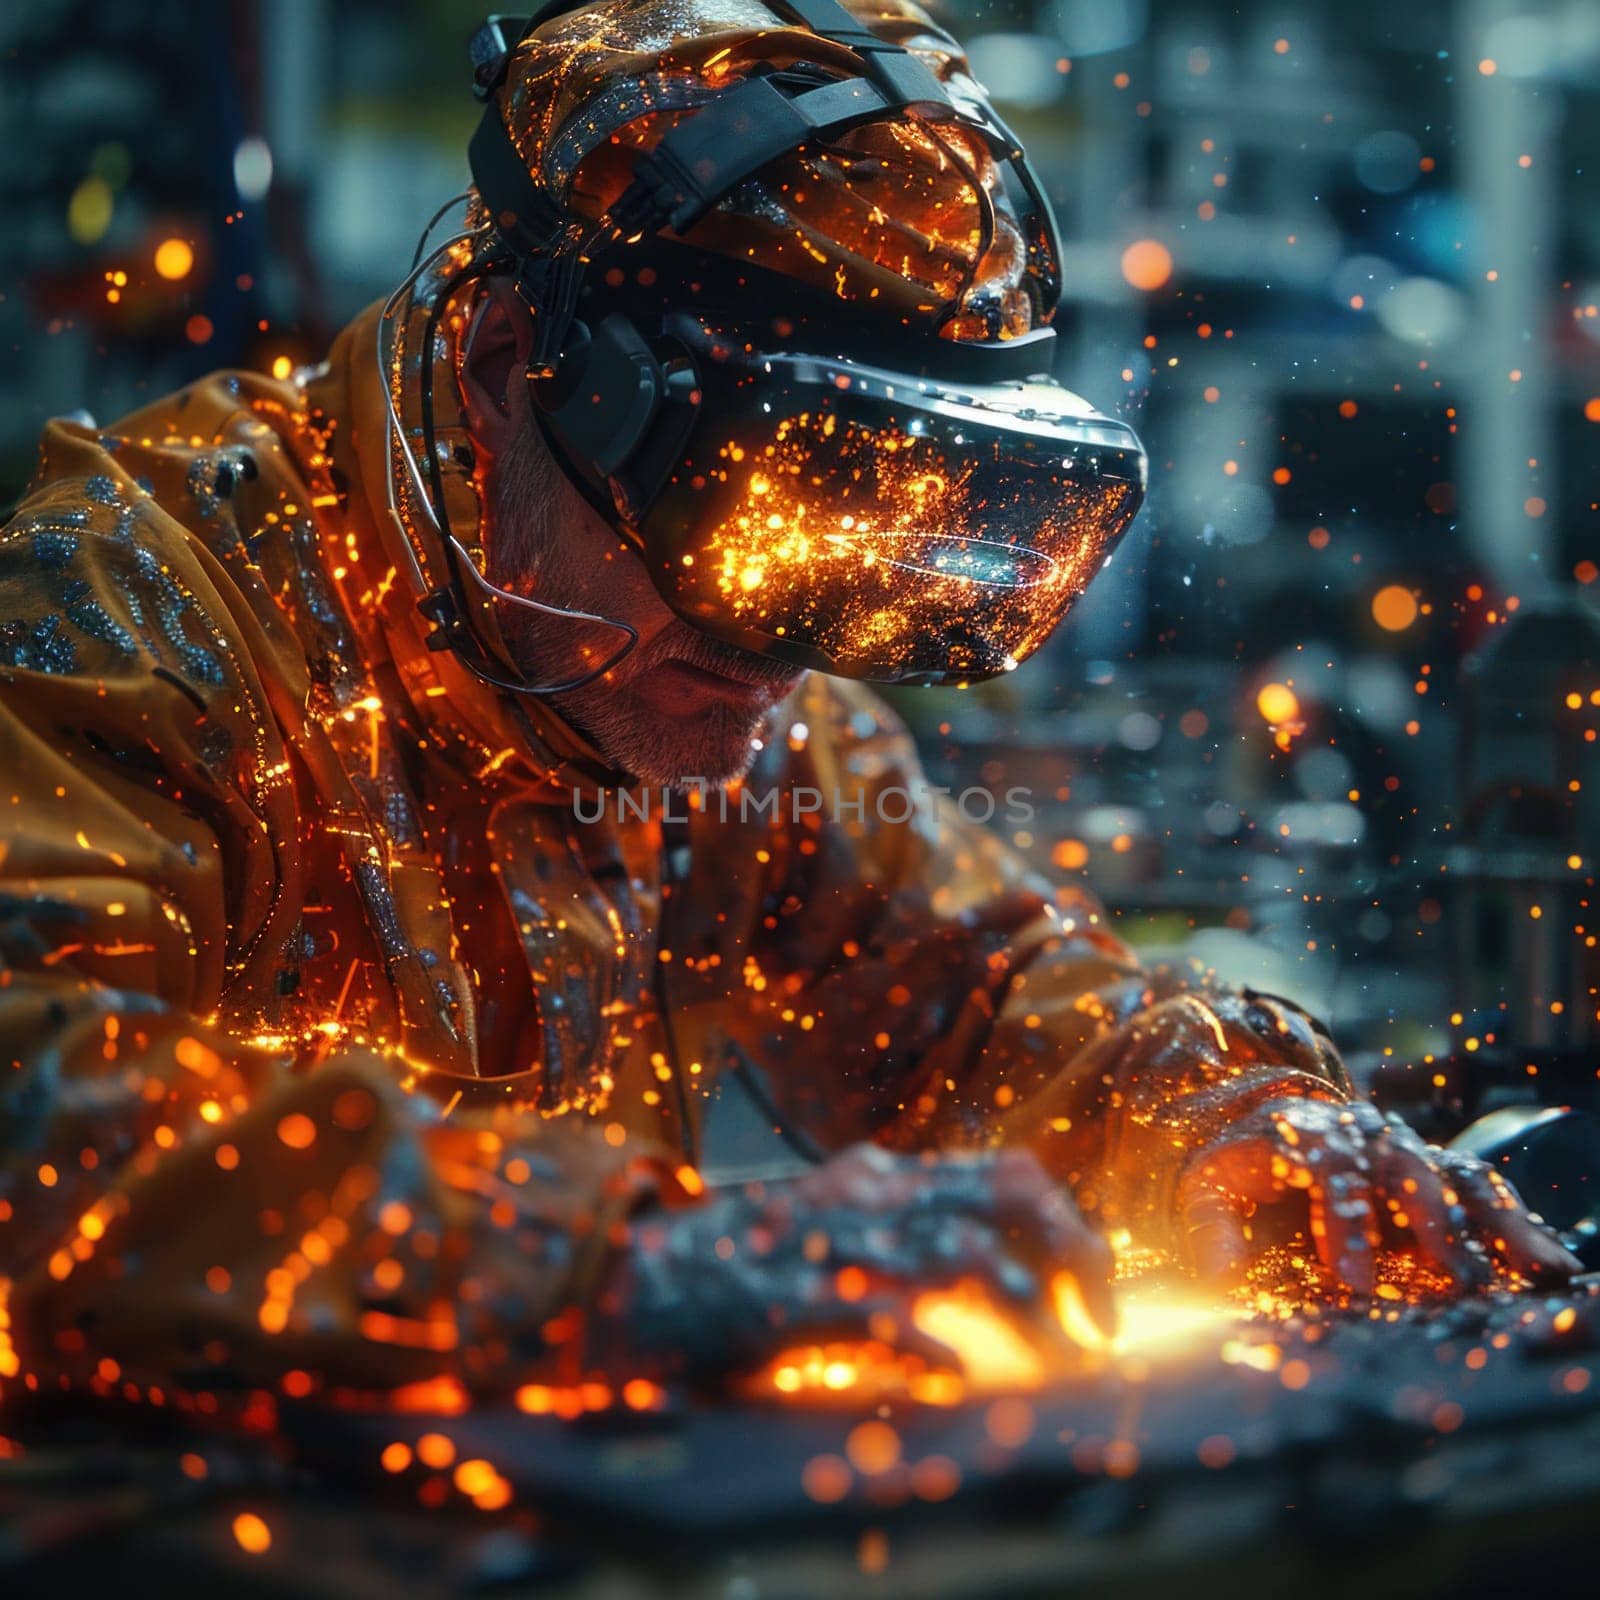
(1160, 1318)
(997, 1352)
(1166, 1321)
(994, 1354)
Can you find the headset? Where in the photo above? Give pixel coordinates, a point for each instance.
(645, 395)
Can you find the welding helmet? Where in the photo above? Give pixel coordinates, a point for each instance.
(791, 283)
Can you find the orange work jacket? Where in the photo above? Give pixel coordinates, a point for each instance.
(338, 1037)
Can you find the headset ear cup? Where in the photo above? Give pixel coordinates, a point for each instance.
(617, 412)
(555, 397)
(605, 396)
(660, 451)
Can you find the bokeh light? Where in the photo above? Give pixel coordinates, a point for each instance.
(89, 211)
(1394, 608)
(1147, 264)
(174, 259)
(1278, 703)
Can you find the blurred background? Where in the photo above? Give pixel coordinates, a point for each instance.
(1330, 716)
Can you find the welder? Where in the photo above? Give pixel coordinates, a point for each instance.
(345, 1034)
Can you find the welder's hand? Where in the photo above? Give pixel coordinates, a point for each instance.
(1357, 1180)
(842, 1252)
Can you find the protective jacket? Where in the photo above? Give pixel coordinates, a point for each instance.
(346, 1013)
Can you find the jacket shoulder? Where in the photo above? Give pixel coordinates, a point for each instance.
(847, 719)
(131, 547)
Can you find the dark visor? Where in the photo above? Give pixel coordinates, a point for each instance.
(885, 526)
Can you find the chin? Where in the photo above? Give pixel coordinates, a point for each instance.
(710, 766)
(714, 746)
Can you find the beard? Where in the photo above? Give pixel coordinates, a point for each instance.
(715, 744)
(548, 543)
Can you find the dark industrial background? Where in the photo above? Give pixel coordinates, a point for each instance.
(1340, 264)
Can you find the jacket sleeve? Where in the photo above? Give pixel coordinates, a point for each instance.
(187, 1204)
(974, 1003)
